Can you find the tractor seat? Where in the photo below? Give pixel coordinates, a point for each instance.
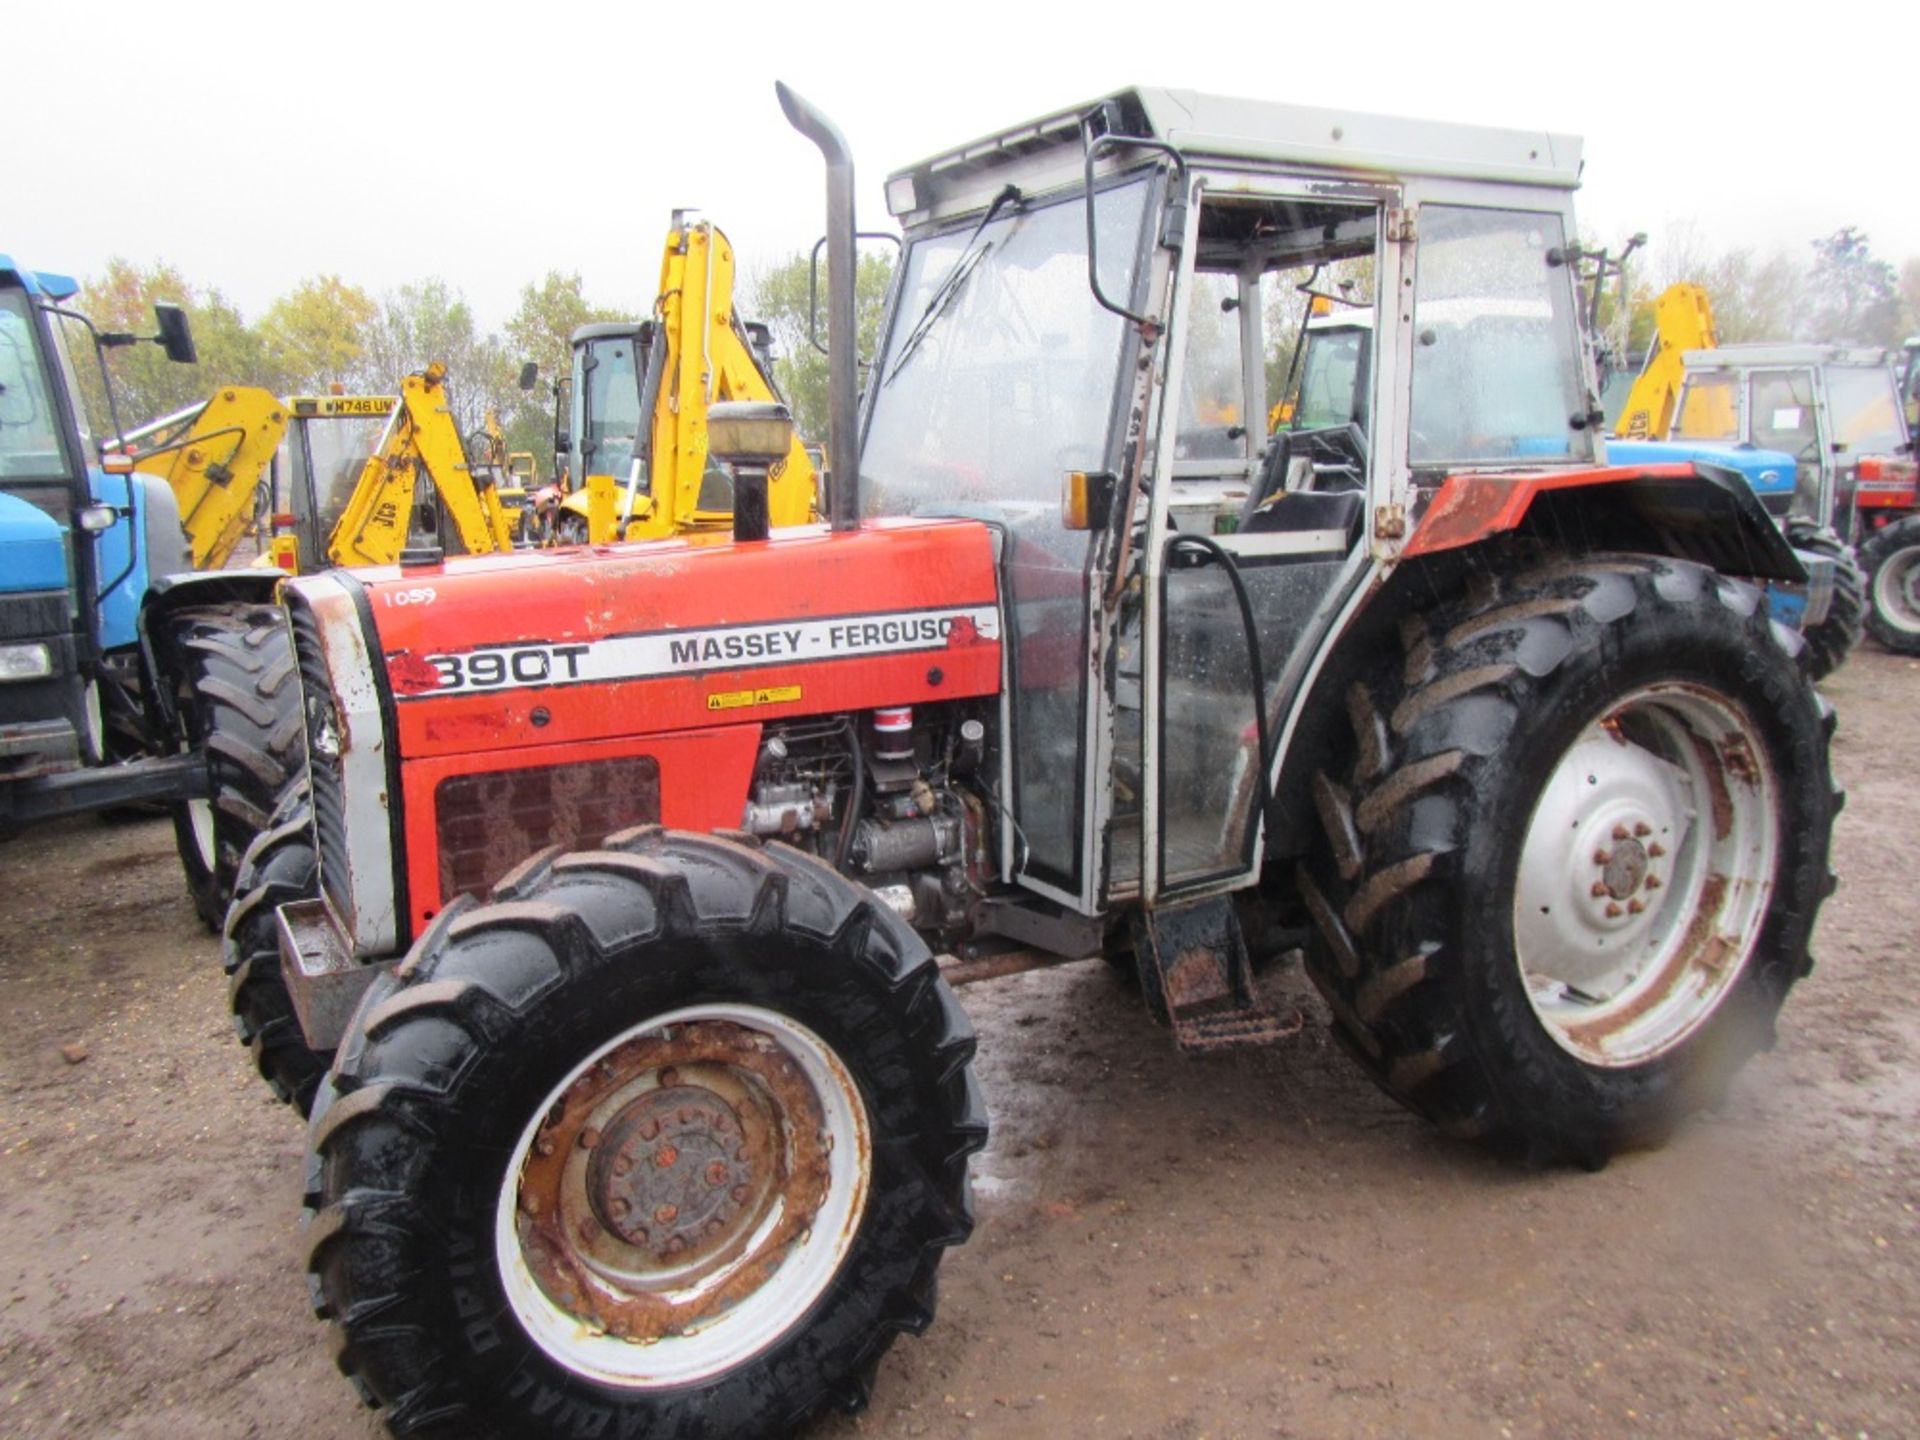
(1298, 510)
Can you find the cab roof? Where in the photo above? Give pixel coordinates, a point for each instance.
(37, 282)
(1270, 132)
(1771, 355)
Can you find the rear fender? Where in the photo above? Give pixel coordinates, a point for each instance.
(1704, 513)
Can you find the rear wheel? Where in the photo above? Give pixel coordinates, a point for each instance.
(1832, 640)
(239, 698)
(1575, 855)
(1891, 560)
(669, 1141)
(280, 866)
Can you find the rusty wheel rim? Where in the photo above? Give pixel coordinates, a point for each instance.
(1645, 874)
(682, 1198)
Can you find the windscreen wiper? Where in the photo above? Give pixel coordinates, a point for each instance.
(951, 284)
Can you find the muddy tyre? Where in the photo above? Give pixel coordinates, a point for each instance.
(1891, 560)
(1575, 855)
(239, 699)
(1832, 640)
(280, 866)
(683, 1091)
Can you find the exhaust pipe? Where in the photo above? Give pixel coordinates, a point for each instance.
(843, 385)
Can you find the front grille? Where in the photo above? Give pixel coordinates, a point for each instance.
(33, 614)
(323, 759)
(488, 823)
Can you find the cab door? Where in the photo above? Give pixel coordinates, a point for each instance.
(1254, 548)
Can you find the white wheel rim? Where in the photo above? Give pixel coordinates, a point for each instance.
(1896, 590)
(200, 818)
(1646, 874)
(805, 1267)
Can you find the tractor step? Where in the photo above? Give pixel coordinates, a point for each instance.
(1193, 962)
(1235, 1029)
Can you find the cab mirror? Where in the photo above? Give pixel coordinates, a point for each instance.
(176, 334)
(529, 375)
(1086, 499)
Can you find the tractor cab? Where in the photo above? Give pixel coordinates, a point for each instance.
(1830, 407)
(1164, 622)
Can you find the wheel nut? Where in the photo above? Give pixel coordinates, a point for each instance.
(717, 1174)
(1653, 882)
(669, 1077)
(529, 1202)
(1635, 906)
(666, 1214)
(1613, 911)
(739, 1194)
(1656, 849)
(589, 1138)
(623, 1165)
(649, 1129)
(1599, 889)
(665, 1156)
(621, 1207)
(1642, 829)
(544, 1145)
(1620, 832)
(1603, 857)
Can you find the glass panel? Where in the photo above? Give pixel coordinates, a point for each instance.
(30, 446)
(998, 377)
(332, 453)
(1213, 390)
(1208, 739)
(1866, 411)
(1497, 365)
(613, 410)
(1709, 409)
(1780, 413)
(1330, 378)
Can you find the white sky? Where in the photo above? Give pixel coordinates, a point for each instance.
(254, 144)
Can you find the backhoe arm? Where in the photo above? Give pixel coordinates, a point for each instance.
(420, 438)
(1682, 321)
(215, 457)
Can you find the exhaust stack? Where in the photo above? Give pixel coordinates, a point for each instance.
(843, 385)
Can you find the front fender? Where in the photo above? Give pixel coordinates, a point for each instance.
(1699, 512)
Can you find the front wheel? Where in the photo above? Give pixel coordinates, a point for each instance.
(1891, 560)
(1832, 640)
(1575, 855)
(667, 1141)
(240, 700)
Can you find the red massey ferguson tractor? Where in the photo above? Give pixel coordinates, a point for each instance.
(649, 1106)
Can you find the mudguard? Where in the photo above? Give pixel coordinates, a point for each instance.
(1704, 513)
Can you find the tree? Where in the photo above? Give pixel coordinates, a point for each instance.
(1855, 295)
(778, 299)
(315, 335)
(146, 384)
(1910, 297)
(428, 321)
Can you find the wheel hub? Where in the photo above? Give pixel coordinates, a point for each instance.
(671, 1179)
(673, 1176)
(1646, 868)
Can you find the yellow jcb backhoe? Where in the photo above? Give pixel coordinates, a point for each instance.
(640, 481)
(356, 462)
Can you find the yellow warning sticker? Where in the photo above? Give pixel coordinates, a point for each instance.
(740, 699)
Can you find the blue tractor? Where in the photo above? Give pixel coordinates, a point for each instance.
(124, 681)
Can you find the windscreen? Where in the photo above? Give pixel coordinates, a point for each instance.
(329, 455)
(999, 371)
(1498, 373)
(29, 422)
(1866, 411)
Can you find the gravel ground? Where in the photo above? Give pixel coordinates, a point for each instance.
(1254, 1245)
